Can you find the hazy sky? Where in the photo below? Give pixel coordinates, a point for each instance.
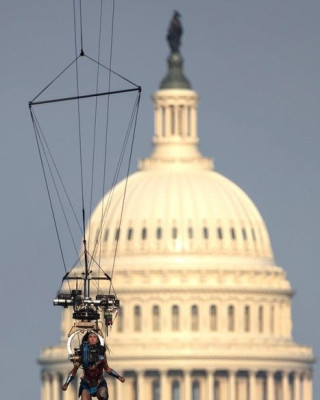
(256, 67)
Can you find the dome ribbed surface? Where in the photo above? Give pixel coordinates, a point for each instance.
(181, 212)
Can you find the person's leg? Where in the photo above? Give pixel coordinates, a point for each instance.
(102, 393)
(85, 395)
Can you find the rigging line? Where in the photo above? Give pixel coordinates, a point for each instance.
(85, 96)
(107, 125)
(79, 118)
(113, 72)
(58, 173)
(47, 187)
(81, 36)
(126, 182)
(95, 121)
(54, 79)
(115, 177)
(56, 188)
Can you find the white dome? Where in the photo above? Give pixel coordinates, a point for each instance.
(181, 210)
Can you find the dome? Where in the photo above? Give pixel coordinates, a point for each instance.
(180, 210)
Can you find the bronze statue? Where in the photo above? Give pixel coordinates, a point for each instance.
(174, 33)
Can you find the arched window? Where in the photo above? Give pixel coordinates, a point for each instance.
(174, 233)
(117, 234)
(233, 233)
(163, 120)
(156, 318)
(120, 320)
(175, 390)
(195, 390)
(190, 233)
(205, 232)
(231, 318)
(106, 234)
(175, 318)
(155, 390)
(194, 318)
(159, 233)
(137, 318)
(144, 234)
(253, 234)
(260, 318)
(244, 234)
(220, 233)
(213, 318)
(130, 234)
(247, 319)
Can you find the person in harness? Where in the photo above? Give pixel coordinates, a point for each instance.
(92, 357)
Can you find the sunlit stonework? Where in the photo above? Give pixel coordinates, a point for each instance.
(205, 312)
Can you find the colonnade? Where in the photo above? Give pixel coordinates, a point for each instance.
(212, 385)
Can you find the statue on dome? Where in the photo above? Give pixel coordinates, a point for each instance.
(92, 357)
(175, 32)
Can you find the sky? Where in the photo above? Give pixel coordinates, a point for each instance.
(256, 67)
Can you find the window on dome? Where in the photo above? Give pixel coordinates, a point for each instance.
(175, 390)
(244, 234)
(180, 120)
(175, 323)
(106, 234)
(117, 234)
(120, 320)
(253, 234)
(213, 318)
(159, 233)
(247, 319)
(233, 233)
(260, 319)
(97, 236)
(194, 318)
(144, 233)
(205, 232)
(156, 318)
(219, 233)
(190, 233)
(195, 390)
(231, 318)
(174, 233)
(155, 390)
(272, 319)
(130, 234)
(163, 119)
(189, 122)
(137, 318)
(172, 119)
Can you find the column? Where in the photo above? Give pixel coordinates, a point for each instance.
(270, 385)
(296, 386)
(45, 388)
(252, 385)
(140, 385)
(210, 385)
(232, 385)
(307, 386)
(164, 386)
(118, 389)
(56, 387)
(187, 389)
(285, 385)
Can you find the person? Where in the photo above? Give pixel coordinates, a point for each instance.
(92, 357)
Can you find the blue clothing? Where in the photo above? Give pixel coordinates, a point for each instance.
(92, 390)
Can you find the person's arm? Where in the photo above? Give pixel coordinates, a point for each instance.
(70, 376)
(112, 372)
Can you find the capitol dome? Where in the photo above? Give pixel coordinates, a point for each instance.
(183, 209)
(205, 313)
